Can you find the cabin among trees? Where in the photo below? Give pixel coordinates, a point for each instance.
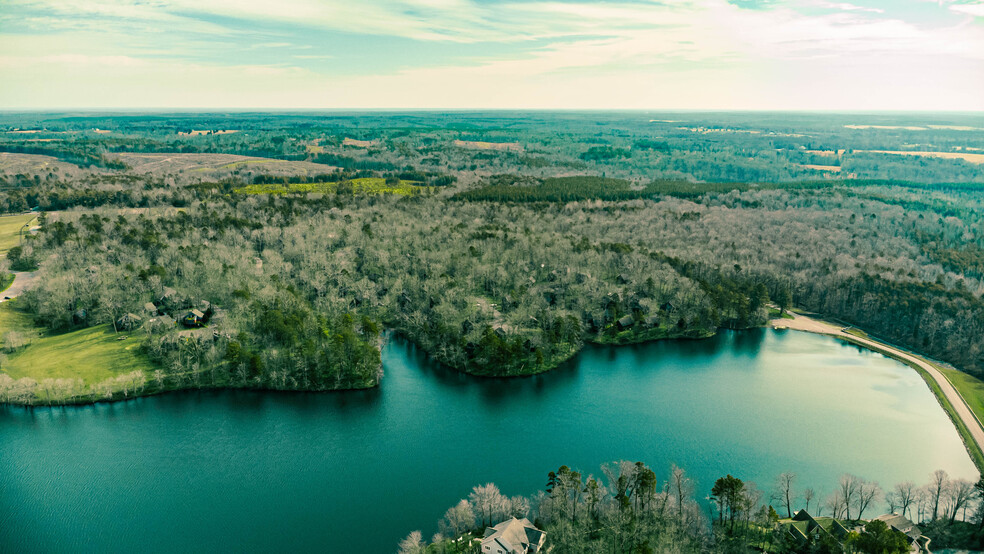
(128, 322)
(194, 318)
(624, 323)
(514, 536)
(917, 541)
(804, 528)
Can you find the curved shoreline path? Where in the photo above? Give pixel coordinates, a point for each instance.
(960, 407)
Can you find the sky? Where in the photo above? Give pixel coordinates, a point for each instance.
(863, 55)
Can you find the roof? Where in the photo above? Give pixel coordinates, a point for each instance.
(803, 524)
(798, 529)
(534, 535)
(802, 515)
(901, 524)
(515, 535)
(196, 313)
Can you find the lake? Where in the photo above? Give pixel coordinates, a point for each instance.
(357, 471)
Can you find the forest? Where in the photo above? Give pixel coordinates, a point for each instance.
(488, 240)
(629, 508)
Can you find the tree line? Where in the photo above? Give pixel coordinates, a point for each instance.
(629, 508)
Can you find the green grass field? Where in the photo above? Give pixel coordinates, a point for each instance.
(10, 226)
(365, 185)
(92, 354)
(969, 387)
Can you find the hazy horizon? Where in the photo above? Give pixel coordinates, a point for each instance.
(390, 55)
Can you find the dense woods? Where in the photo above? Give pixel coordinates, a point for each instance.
(497, 267)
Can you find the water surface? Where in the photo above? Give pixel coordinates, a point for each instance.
(356, 471)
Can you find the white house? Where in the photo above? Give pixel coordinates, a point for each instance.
(514, 536)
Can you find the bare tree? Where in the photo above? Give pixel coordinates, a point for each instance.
(959, 493)
(488, 501)
(937, 486)
(458, 519)
(836, 505)
(905, 495)
(892, 499)
(681, 487)
(412, 544)
(867, 492)
(13, 340)
(518, 507)
(808, 495)
(848, 490)
(784, 491)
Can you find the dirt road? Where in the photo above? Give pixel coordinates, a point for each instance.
(804, 323)
(22, 280)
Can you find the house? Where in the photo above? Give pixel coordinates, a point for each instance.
(150, 308)
(515, 536)
(168, 300)
(193, 318)
(167, 294)
(802, 526)
(128, 322)
(624, 323)
(610, 300)
(917, 541)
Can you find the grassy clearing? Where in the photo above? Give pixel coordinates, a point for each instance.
(972, 447)
(857, 333)
(779, 314)
(243, 163)
(93, 354)
(366, 185)
(13, 320)
(10, 226)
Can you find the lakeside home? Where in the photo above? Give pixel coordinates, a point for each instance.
(514, 536)
(805, 528)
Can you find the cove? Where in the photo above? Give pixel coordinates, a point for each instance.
(357, 471)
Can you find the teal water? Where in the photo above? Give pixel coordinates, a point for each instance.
(356, 471)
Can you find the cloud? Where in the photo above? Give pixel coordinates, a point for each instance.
(848, 7)
(976, 10)
(645, 53)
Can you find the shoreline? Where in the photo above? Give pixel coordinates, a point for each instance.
(966, 422)
(968, 426)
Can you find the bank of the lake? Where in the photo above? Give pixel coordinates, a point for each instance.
(260, 471)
